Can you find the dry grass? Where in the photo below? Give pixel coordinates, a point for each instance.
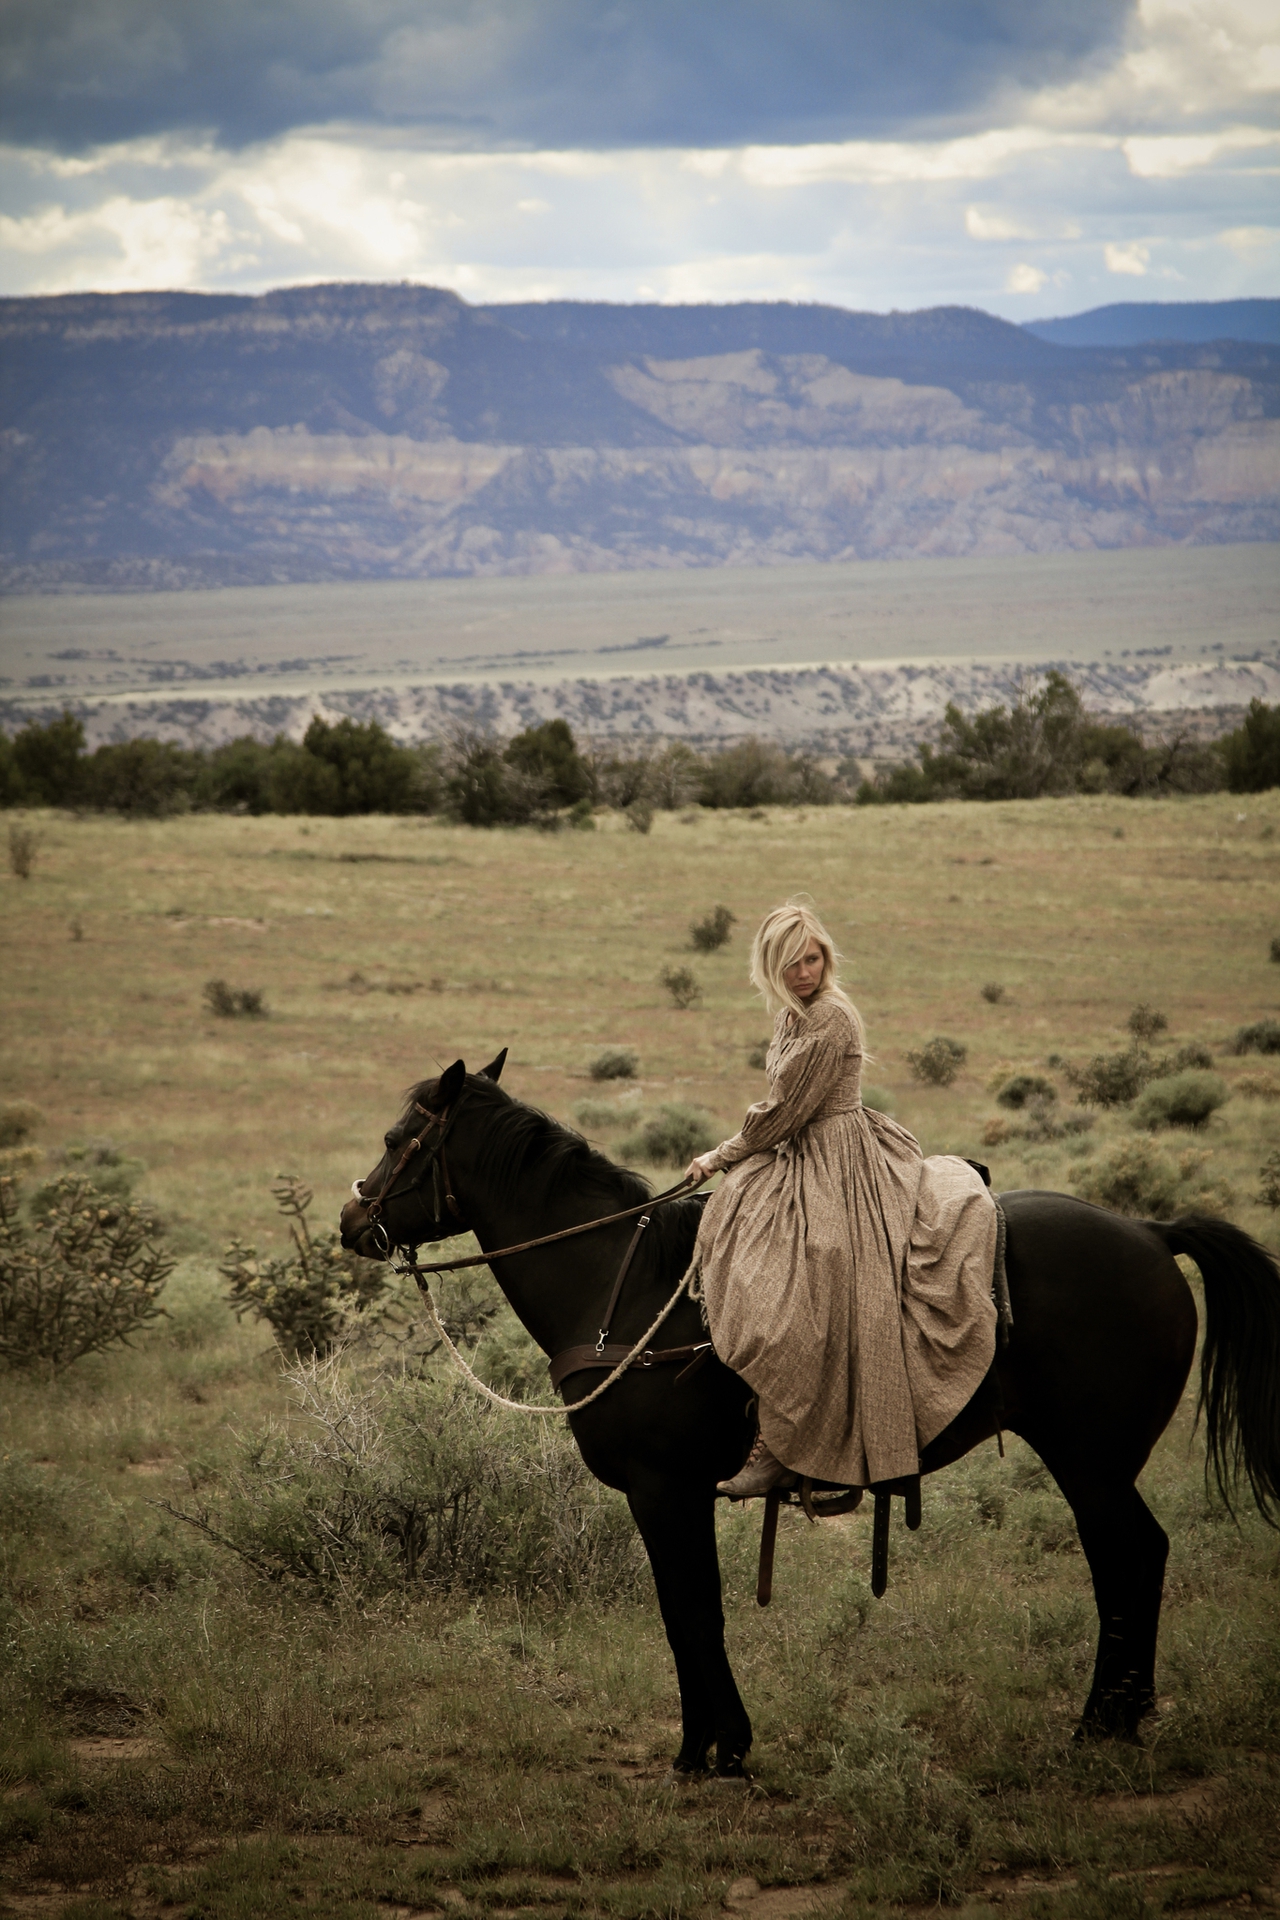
(181, 1742)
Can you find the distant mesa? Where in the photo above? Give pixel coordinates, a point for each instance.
(160, 441)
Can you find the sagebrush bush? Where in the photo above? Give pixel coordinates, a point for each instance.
(1187, 1099)
(22, 852)
(1024, 1087)
(81, 1273)
(1258, 1086)
(938, 1062)
(993, 993)
(18, 1121)
(591, 1114)
(404, 1482)
(1112, 1079)
(615, 1063)
(671, 1137)
(1194, 1054)
(1262, 1037)
(230, 1002)
(1137, 1179)
(713, 931)
(307, 1298)
(1145, 1022)
(1269, 1178)
(683, 986)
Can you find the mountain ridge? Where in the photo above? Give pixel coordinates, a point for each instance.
(359, 431)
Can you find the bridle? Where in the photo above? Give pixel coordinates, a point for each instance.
(437, 1166)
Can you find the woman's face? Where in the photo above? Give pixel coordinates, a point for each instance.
(804, 976)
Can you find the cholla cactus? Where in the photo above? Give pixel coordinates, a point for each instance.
(80, 1274)
(307, 1298)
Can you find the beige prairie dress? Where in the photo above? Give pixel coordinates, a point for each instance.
(846, 1277)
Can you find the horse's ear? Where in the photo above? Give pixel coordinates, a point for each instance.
(494, 1069)
(450, 1083)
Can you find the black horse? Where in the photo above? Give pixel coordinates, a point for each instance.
(1103, 1337)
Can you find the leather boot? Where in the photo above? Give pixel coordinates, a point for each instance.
(760, 1472)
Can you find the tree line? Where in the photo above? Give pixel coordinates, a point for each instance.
(1042, 743)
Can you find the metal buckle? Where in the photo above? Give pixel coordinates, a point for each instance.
(646, 1358)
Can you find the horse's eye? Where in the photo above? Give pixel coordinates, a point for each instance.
(389, 1139)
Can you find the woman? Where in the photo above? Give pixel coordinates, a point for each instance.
(847, 1278)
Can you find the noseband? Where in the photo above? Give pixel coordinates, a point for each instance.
(437, 1165)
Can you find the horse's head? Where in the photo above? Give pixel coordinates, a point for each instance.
(405, 1200)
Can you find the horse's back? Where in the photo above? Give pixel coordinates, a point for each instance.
(1104, 1330)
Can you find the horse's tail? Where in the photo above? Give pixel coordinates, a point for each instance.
(1240, 1359)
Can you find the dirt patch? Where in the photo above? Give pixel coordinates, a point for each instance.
(106, 1746)
(1190, 1802)
(754, 1902)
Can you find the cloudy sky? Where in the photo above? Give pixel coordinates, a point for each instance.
(1032, 157)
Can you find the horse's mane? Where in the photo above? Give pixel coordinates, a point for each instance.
(521, 1143)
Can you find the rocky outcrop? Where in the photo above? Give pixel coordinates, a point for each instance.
(363, 432)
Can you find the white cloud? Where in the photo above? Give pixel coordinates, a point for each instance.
(1175, 138)
(1133, 258)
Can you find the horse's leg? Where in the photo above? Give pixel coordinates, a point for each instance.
(677, 1525)
(1126, 1548)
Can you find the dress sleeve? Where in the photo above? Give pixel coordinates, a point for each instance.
(805, 1077)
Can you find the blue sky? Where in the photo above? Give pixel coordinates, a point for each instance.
(1029, 159)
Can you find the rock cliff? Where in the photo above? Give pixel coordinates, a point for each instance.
(348, 432)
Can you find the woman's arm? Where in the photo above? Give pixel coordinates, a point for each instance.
(804, 1079)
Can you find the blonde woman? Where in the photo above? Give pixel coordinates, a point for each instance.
(847, 1278)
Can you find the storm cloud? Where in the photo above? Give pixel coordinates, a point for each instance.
(489, 75)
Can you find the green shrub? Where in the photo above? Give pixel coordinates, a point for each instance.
(710, 934)
(310, 1297)
(18, 1121)
(230, 1003)
(1275, 947)
(1194, 1054)
(938, 1062)
(1112, 1079)
(1251, 755)
(993, 993)
(1187, 1099)
(615, 1063)
(594, 1114)
(80, 1274)
(142, 778)
(548, 756)
(1136, 1178)
(404, 1482)
(1262, 1037)
(640, 816)
(1269, 1175)
(671, 1137)
(47, 762)
(22, 851)
(683, 986)
(1024, 1087)
(1146, 1022)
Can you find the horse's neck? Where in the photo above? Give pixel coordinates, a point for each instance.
(559, 1290)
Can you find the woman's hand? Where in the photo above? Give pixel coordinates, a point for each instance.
(699, 1169)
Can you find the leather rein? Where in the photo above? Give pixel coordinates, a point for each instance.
(572, 1359)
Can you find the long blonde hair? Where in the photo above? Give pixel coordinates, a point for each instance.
(781, 938)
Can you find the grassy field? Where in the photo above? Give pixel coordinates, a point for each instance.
(182, 1738)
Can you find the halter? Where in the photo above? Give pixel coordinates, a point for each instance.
(438, 1166)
